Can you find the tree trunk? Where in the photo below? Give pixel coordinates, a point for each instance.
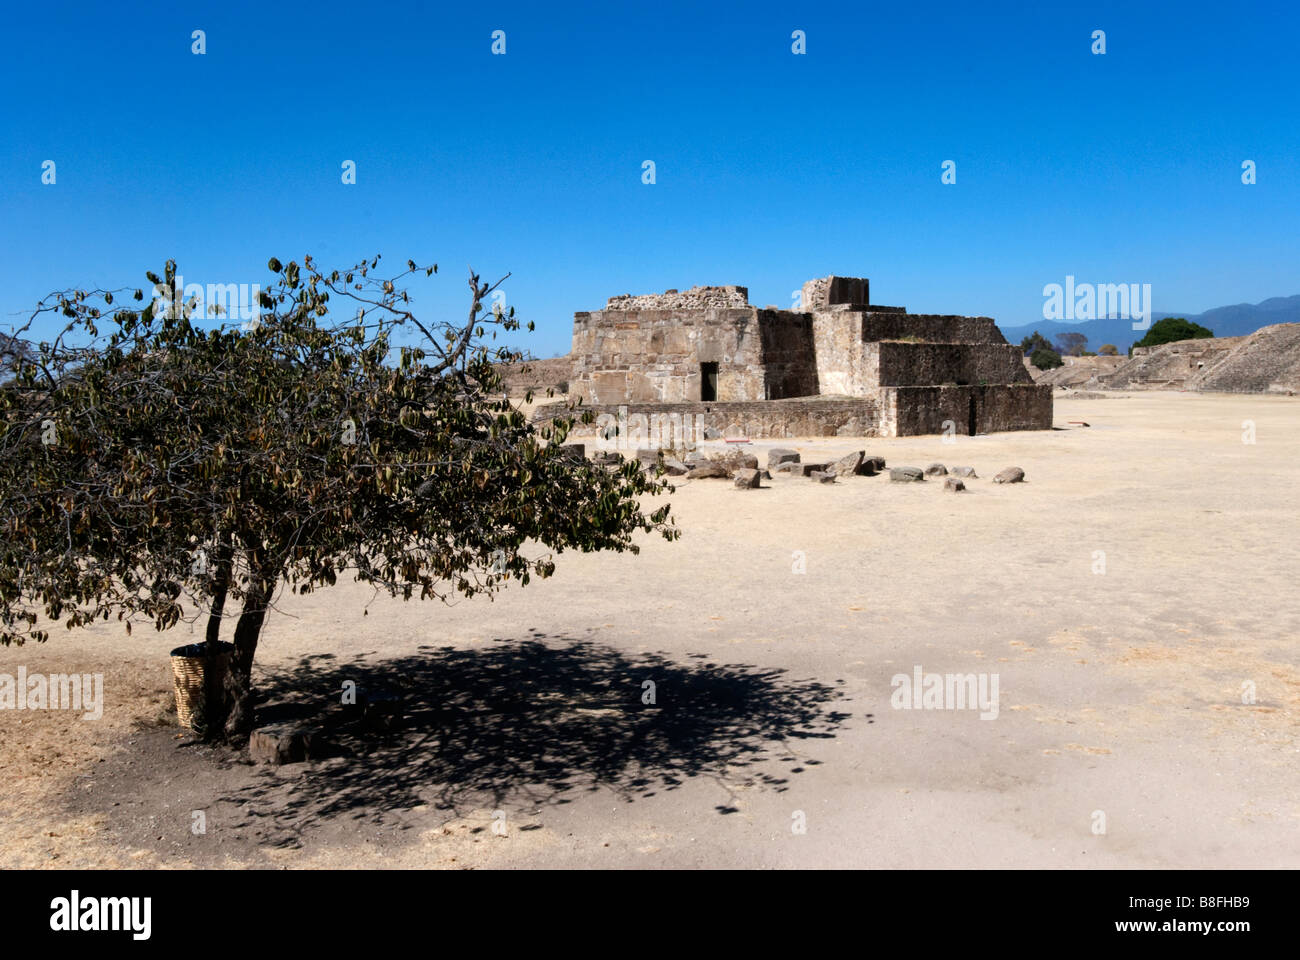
(239, 681)
(211, 724)
(239, 718)
(224, 561)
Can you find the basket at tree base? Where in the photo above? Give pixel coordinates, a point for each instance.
(200, 679)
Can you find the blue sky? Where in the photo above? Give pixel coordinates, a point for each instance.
(771, 168)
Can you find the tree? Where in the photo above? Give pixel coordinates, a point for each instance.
(1108, 350)
(1071, 343)
(1035, 342)
(1171, 329)
(166, 470)
(1045, 359)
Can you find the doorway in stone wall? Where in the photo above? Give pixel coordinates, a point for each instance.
(970, 418)
(708, 381)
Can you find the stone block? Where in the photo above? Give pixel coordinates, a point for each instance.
(282, 743)
(829, 291)
(706, 470)
(847, 465)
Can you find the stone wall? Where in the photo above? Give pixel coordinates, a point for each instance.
(930, 327)
(918, 410)
(801, 417)
(894, 363)
(857, 351)
(894, 412)
(655, 355)
(837, 339)
(787, 354)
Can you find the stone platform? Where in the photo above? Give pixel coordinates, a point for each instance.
(902, 411)
(665, 423)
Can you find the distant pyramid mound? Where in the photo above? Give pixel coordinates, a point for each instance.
(1078, 371)
(1266, 361)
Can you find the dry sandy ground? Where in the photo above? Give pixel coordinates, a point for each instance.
(1121, 693)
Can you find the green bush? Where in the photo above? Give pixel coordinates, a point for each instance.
(1045, 359)
(1170, 329)
(1036, 342)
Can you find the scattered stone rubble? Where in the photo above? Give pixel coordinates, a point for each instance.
(696, 298)
(744, 470)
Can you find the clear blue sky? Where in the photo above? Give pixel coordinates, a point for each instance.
(772, 168)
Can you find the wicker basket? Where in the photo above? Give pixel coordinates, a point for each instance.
(200, 679)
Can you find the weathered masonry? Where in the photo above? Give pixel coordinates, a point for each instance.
(708, 352)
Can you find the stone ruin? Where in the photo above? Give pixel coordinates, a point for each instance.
(836, 365)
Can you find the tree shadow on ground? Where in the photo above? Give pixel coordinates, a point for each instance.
(535, 722)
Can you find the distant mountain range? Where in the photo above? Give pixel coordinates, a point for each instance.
(1234, 321)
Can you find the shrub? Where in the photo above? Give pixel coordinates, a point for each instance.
(1171, 329)
(1045, 359)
